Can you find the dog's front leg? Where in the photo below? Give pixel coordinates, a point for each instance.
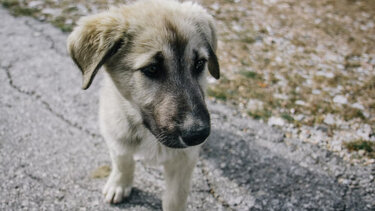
(177, 177)
(120, 180)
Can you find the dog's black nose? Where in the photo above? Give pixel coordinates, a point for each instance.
(195, 136)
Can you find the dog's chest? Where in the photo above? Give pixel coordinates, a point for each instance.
(154, 153)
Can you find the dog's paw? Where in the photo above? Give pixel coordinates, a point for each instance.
(115, 192)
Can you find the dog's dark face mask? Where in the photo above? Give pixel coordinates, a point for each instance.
(177, 115)
(176, 112)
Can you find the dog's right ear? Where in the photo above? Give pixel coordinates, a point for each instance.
(94, 41)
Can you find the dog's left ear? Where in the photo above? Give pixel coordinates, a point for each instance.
(208, 31)
(213, 64)
(94, 41)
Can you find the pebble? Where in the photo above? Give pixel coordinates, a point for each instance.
(329, 119)
(300, 102)
(276, 121)
(254, 104)
(51, 11)
(340, 99)
(325, 74)
(316, 92)
(299, 117)
(35, 4)
(358, 106)
(281, 96)
(364, 131)
(361, 152)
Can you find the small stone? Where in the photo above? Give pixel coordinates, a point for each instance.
(254, 104)
(316, 92)
(325, 74)
(340, 66)
(276, 121)
(69, 21)
(300, 102)
(340, 99)
(344, 181)
(278, 59)
(361, 152)
(322, 128)
(281, 96)
(370, 161)
(82, 8)
(364, 131)
(358, 106)
(317, 21)
(329, 119)
(35, 4)
(52, 12)
(299, 117)
(235, 201)
(215, 6)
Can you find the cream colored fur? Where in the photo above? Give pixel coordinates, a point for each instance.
(119, 115)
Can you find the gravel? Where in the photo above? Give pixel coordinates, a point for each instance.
(50, 145)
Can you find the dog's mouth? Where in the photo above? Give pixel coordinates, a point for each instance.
(177, 142)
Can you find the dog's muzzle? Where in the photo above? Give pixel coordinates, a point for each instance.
(186, 139)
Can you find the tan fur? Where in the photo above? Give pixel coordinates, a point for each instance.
(125, 39)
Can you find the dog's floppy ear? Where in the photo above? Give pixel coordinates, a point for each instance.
(213, 64)
(208, 32)
(94, 41)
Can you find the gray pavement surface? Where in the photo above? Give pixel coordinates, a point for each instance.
(50, 145)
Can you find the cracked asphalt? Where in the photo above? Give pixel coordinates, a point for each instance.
(50, 146)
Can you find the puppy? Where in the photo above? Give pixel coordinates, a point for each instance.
(156, 54)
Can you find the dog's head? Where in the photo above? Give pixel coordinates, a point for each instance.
(157, 54)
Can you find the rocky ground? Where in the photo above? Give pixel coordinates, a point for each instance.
(279, 67)
(305, 66)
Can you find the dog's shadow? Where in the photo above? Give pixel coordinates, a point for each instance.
(274, 181)
(142, 199)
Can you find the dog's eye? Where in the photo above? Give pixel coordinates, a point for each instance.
(199, 65)
(150, 71)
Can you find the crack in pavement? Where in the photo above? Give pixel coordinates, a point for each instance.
(212, 191)
(38, 97)
(48, 37)
(346, 190)
(39, 180)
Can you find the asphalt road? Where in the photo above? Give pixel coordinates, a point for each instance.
(50, 147)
